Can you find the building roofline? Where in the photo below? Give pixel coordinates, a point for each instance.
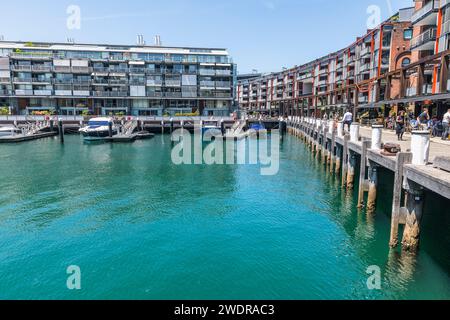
(118, 46)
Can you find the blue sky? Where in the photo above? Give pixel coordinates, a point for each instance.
(265, 35)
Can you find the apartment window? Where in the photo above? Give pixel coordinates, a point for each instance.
(408, 34)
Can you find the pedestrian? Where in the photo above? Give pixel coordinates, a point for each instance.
(348, 119)
(400, 125)
(446, 125)
(424, 118)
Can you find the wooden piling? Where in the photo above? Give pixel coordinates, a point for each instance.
(345, 160)
(414, 212)
(402, 159)
(351, 165)
(61, 131)
(362, 173)
(373, 184)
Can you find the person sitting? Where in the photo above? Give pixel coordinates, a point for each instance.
(424, 118)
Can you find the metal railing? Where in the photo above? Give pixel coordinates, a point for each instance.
(429, 35)
(428, 8)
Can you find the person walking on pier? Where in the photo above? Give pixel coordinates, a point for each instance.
(400, 125)
(348, 119)
(446, 125)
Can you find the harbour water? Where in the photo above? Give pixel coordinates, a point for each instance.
(140, 227)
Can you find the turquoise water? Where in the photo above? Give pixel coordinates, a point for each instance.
(140, 227)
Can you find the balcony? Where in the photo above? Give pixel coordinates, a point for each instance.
(153, 94)
(120, 71)
(118, 82)
(427, 15)
(5, 80)
(223, 72)
(63, 92)
(62, 69)
(365, 51)
(207, 72)
(81, 93)
(82, 81)
(365, 67)
(84, 70)
(138, 82)
(22, 80)
(173, 83)
(101, 70)
(172, 94)
(110, 93)
(21, 68)
(323, 71)
(42, 92)
(207, 84)
(100, 82)
(444, 3)
(21, 92)
(223, 84)
(137, 70)
(41, 68)
(5, 92)
(425, 41)
(154, 83)
(27, 55)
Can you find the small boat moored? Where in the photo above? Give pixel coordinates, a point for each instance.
(98, 129)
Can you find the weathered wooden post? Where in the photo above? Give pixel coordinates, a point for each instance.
(171, 125)
(414, 212)
(362, 173)
(162, 127)
(402, 159)
(61, 131)
(373, 184)
(332, 133)
(110, 131)
(345, 160)
(351, 165)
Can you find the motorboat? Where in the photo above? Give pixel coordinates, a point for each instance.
(98, 128)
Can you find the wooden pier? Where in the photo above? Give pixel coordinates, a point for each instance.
(23, 138)
(342, 152)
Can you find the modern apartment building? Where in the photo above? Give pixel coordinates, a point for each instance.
(353, 77)
(71, 79)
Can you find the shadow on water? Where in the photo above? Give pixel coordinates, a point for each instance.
(370, 233)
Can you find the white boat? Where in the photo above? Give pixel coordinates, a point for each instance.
(98, 128)
(7, 131)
